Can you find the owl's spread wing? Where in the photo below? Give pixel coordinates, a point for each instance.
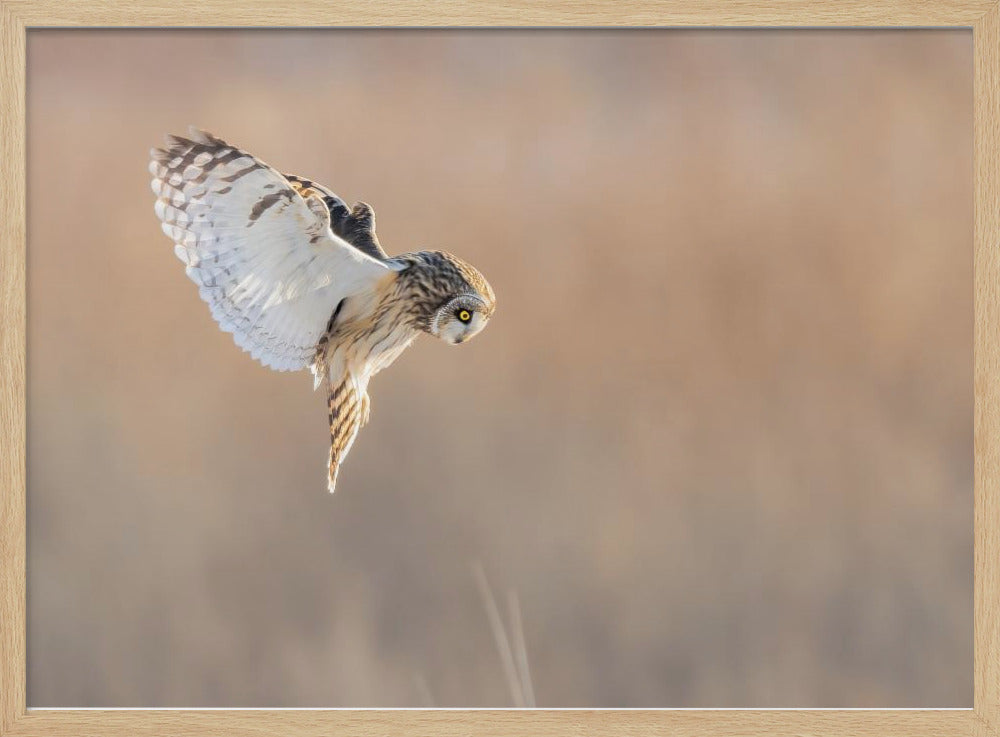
(355, 225)
(264, 258)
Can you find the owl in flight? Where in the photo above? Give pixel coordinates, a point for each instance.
(300, 280)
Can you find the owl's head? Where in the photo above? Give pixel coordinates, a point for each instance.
(460, 318)
(463, 299)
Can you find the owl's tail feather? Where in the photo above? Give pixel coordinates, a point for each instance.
(348, 412)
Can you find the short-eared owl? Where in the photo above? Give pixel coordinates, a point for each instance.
(300, 280)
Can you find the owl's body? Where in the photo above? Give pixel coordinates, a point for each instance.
(300, 280)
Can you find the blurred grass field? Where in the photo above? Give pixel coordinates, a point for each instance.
(718, 436)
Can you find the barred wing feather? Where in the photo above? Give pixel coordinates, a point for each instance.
(263, 257)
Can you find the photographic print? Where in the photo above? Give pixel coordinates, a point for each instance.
(711, 444)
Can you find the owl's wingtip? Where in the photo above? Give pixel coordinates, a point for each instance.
(200, 135)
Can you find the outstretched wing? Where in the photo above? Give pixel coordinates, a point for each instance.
(355, 225)
(264, 258)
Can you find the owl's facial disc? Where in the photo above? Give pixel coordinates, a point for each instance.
(459, 319)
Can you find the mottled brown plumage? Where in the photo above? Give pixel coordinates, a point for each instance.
(301, 280)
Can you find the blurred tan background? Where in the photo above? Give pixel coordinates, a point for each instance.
(718, 437)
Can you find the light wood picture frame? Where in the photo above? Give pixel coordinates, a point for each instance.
(17, 17)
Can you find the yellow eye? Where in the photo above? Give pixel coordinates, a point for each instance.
(464, 315)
